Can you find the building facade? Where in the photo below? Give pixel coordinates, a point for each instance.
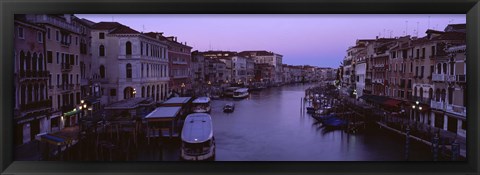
(128, 63)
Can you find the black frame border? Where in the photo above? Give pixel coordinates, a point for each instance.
(10, 7)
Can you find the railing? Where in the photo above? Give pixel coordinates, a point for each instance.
(450, 78)
(179, 62)
(34, 74)
(455, 109)
(461, 78)
(45, 104)
(437, 105)
(66, 67)
(438, 77)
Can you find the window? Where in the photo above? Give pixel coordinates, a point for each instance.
(129, 70)
(101, 35)
(58, 79)
(76, 60)
(49, 56)
(433, 51)
(423, 68)
(101, 51)
(102, 71)
(76, 40)
(128, 48)
(58, 57)
(40, 37)
(77, 78)
(20, 33)
(48, 33)
(113, 92)
(416, 71)
(57, 35)
(423, 52)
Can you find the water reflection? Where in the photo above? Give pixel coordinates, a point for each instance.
(268, 126)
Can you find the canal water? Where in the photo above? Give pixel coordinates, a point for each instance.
(268, 126)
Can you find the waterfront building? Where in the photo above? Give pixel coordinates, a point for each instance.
(287, 74)
(371, 70)
(31, 81)
(179, 56)
(216, 72)
(448, 105)
(400, 72)
(270, 58)
(128, 63)
(198, 66)
(239, 69)
(62, 48)
(250, 70)
(265, 73)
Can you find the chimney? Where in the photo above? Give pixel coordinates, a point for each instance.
(377, 37)
(175, 39)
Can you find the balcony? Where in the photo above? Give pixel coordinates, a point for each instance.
(179, 62)
(66, 67)
(450, 78)
(35, 106)
(438, 77)
(461, 78)
(455, 109)
(29, 74)
(437, 105)
(379, 65)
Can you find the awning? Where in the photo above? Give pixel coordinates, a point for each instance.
(55, 140)
(71, 113)
(392, 103)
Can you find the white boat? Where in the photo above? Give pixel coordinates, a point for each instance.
(201, 104)
(230, 90)
(198, 142)
(241, 93)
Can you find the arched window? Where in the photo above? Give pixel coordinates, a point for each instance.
(34, 62)
(129, 70)
(421, 93)
(444, 68)
(444, 94)
(439, 68)
(148, 91)
(22, 61)
(29, 61)
(450, 95)
(415, 92)
(153, 92)
(128, 93)
(40, 62)
(101, 51)
(128, 48)
(158, 92)
(102, 71)
(437, 95)
(452, 64)
(430, 93)
(143, 91)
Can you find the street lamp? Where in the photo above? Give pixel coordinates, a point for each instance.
(183, 87)
(134, 92)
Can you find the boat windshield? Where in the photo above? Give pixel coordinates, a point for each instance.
(197, 148)
(200, 105)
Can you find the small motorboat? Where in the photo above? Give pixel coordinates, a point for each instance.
(334, 122)
(229, 107)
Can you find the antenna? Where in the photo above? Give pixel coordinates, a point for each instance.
(384, 33)
(391, 31)
(143, 28)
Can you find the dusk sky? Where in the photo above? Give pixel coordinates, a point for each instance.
(318, 40)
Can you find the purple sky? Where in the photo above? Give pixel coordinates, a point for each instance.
(319, 40)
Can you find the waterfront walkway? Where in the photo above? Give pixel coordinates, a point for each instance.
(418, 131)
